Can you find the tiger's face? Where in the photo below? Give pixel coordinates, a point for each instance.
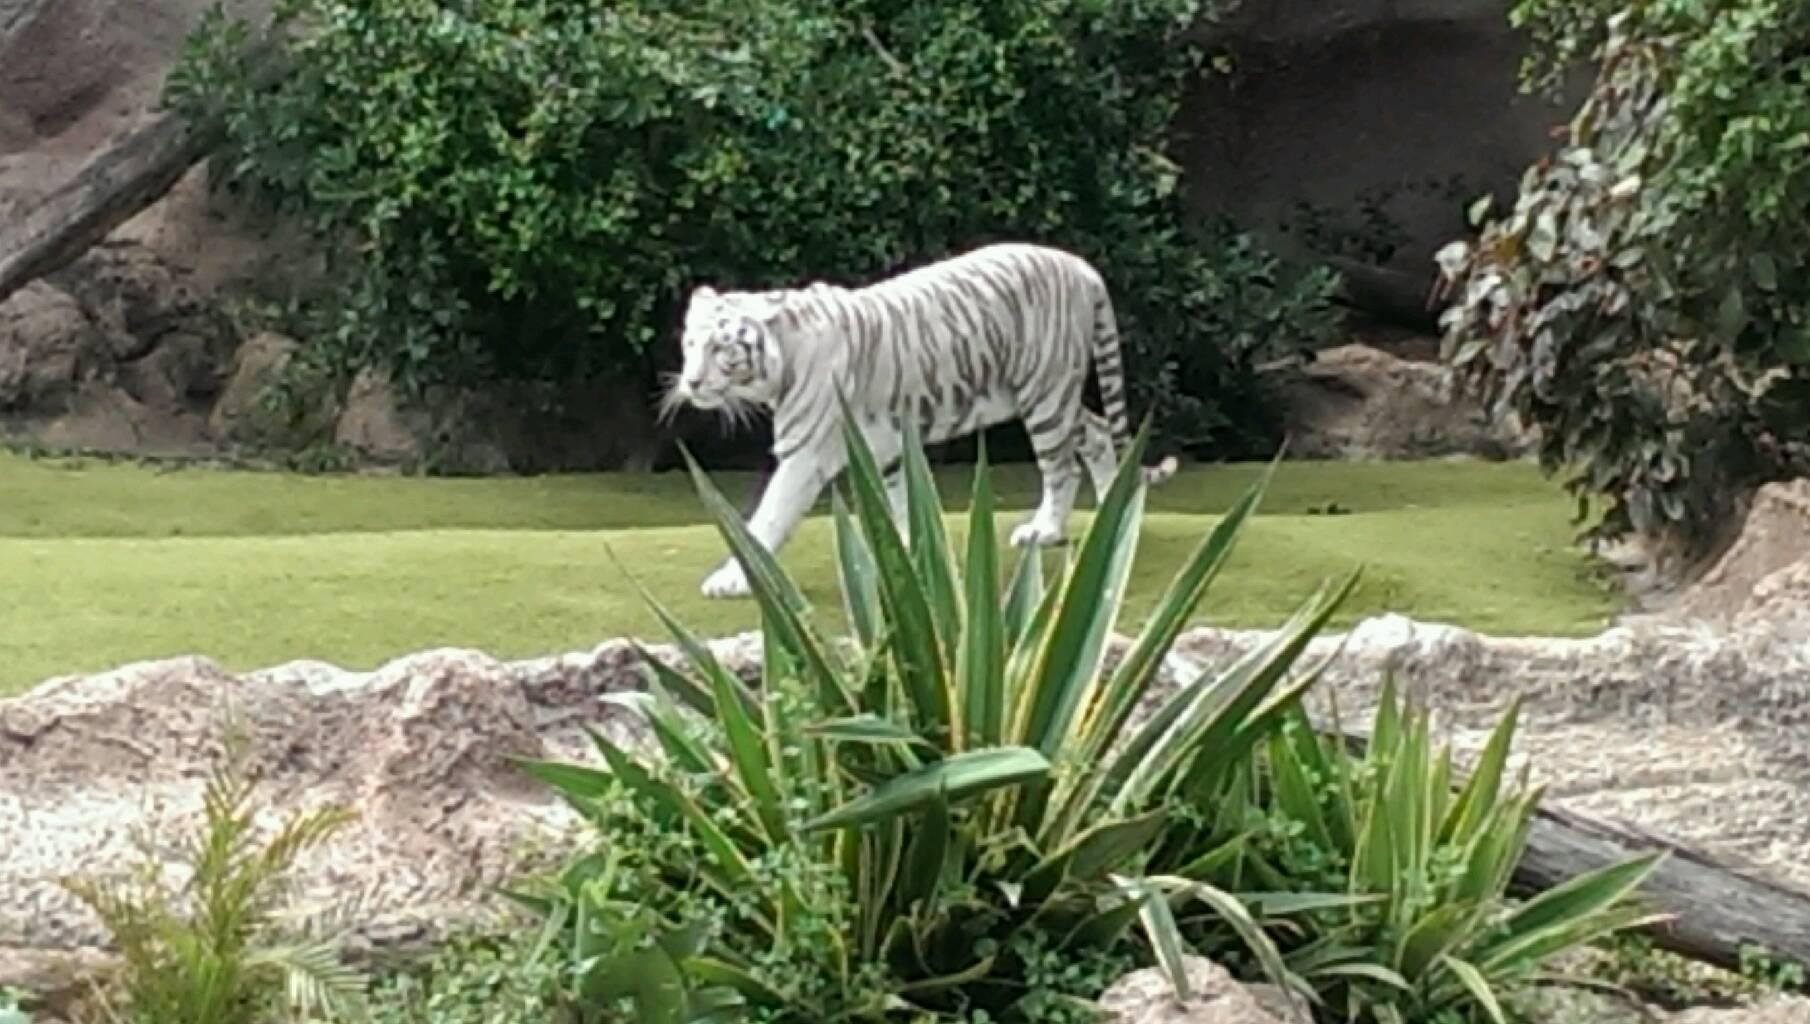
(729, 356)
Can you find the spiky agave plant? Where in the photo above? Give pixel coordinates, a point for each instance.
(222, 949)
(965, 764)
(1433, 857)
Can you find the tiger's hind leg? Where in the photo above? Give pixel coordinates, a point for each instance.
(1097, 456)
(1054, 424)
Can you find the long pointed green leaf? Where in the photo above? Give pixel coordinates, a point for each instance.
(1160, 928)
(657, 709)
(918, 650)
(926, 858)
(1566, 905)
(865, 728)
(1131, 680)
(1284, 904)
(981, 664)
(715, 971)
(1294, 790)
(1215, 861)
(962, 775)
(703, 662)
(1478, 986)
(1235, 914)
(1091, 854)
(930, 550)
(1436, 933)
(574, 779)
(856, 573)
(1216, 713)
(1139, 667)
(1067, 671)
(1478, 797)
(782, 604)
(1369, 972)
(748, 756)
(1024, 594)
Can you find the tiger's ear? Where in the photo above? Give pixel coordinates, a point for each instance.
(703, 293)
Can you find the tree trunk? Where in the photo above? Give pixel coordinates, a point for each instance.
(108, 192)
(114, 186)
(1392, 296)
(1718, 909)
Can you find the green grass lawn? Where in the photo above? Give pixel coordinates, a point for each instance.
(105, 563)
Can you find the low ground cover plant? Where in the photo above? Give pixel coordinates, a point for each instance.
(224, 946)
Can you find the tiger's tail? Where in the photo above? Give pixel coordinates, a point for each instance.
(1110, 366)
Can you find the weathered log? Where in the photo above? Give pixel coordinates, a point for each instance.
(109, 191)
(113, 187)
(1717, 908)
(1393, 296)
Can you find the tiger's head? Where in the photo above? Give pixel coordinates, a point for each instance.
(731, 359)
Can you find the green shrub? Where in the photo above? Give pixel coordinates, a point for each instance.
(929, 812)
(222, 948)
(1431, 936)
(1646, 302)
(529, 188)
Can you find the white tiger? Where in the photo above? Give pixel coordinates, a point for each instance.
(1002, 331)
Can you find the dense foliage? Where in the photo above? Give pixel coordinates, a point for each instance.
(1646, 302)
(904, 823)
(528, 188)
(960, 814)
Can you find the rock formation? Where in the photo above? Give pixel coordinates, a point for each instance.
(1146, 997)
(1360, 130)
(1363, 401)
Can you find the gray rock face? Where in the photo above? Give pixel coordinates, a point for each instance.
(1361, 129)
(115, 352)
(46, 341)
(1775, 1010)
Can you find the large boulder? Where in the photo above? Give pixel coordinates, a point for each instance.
(1214, 997)
(76, 74)
(1763, 575)
(1359, 401)
(115, 352)
(241, 414)
(1361, 129)
(47, 343)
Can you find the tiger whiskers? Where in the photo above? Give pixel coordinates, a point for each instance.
(734, 413)
(671, 400)
(738, 413)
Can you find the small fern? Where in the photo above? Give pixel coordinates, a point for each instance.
(222, 949)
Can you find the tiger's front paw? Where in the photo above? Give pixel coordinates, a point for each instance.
(727, 581)
(1037, 533)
